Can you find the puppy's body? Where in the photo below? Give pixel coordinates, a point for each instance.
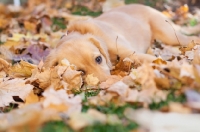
(121, 31)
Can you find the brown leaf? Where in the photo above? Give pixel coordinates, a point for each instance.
(162, 82)
(189, 47)
(122, 68)
(160, 61)
(30, 26)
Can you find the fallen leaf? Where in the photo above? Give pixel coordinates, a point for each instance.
(31, 116)
(61, 101)
(13, 87)
(111, 80)
(160, 61)
(91, 80)
(31, 98)
(21, 69)
(73, 79)
(4, 67)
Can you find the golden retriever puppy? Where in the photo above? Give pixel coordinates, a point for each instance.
(94, 44)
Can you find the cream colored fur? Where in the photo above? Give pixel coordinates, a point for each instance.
(121, 31)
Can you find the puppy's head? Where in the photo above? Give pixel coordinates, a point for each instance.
(88, 53)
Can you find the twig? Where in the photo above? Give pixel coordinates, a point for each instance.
(174, 31)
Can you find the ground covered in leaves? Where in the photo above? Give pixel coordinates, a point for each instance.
(161, 96)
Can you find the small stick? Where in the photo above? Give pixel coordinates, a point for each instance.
(174, 31)
(117, 50)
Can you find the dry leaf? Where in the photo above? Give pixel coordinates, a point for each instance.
(160, 61)
(4, 67)
(61, 101)
(144, 75)
(73, 79)
(111, 80)
(91, 80)
(41, 79)
(13, 87)
(120, 88)
(31, 98)
(22, 69)
(122, 68)
(31, 117)
(30, 26)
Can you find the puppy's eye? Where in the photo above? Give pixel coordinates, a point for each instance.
(82, 72)
(98, 59)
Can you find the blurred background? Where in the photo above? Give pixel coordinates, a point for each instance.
(159, 4)
(27, 25)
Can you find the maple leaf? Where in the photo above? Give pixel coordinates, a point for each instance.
(21, 69)
(41, 79)
(13, 87)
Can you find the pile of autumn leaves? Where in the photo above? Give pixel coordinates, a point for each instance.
(50, 94)
(57, 93)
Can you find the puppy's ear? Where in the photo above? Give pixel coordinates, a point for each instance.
(51, 59)
(103, 50)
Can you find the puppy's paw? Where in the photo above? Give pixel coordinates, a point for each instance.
(135, 61)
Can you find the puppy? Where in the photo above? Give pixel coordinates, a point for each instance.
(94, 44)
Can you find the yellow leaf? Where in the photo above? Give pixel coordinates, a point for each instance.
(31, 98)
(91, 80)
(22, 69)
(16, 37)
(11, 43)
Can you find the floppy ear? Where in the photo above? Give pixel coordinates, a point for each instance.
(103, 50)
(51, 59)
